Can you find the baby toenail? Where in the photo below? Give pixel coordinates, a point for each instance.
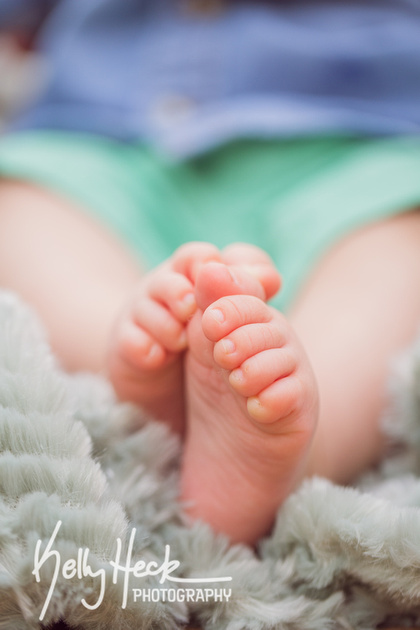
(228, 346)
(232, 275)
(217, 314)
(154, 350)
(237, 375)
(254, 405)
(189, 301)
(189, 298)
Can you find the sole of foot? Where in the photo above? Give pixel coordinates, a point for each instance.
(252, 406)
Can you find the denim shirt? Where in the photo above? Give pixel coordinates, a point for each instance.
(186, 76)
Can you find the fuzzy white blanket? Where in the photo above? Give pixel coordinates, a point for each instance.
(91, 531)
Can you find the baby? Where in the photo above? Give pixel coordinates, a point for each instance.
(198, 347)
(291, 125)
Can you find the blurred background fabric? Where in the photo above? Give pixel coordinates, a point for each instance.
(185, 78)
(21, 76)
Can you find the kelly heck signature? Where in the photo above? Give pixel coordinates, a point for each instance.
(79, 567)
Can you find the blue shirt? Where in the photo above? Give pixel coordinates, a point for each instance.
(186, 79)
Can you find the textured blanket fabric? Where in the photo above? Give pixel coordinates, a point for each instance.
(79, 472)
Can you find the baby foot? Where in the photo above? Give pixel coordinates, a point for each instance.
(252, 407)
(145, 359)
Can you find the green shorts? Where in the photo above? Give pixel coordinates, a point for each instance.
(293, 198)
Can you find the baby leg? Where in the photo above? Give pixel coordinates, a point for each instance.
(73, 271)
(360, 308)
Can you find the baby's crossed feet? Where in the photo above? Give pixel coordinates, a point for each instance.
(248, 404)
(145, 360)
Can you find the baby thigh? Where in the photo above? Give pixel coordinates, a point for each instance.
(72, 270)
(359, 309)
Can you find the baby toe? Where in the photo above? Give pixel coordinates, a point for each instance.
(138, 349)
(216, 280)
(255, 261)
(189, 258)
(246, 341)
(281, 400)
(229, 313)
(260, 371)
(161, 324)
(176, 292)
